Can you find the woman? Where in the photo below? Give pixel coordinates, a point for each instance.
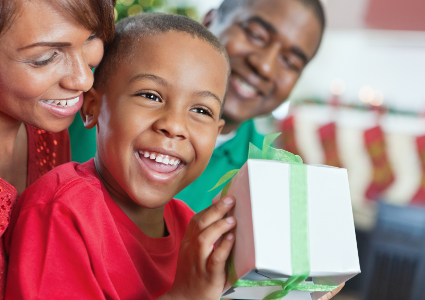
(47, 52)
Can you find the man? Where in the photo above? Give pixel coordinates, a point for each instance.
(269, 43)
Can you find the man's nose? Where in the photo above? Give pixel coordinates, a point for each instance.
(79, 75)
(265, 61)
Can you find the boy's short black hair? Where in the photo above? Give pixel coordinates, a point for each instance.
(228, 6)
(129, 31)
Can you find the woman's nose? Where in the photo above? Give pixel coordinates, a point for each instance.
(79, 75)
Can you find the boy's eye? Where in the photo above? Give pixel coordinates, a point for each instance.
(202, 110)
(151, 96)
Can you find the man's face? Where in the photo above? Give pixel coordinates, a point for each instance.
(269, 44)
(159, 118)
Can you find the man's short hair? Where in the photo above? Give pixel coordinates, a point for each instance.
(228, 6)
(129, 31)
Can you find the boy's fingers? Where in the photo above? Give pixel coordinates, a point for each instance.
(209, 236)
(220, 255)
(192, 224)
(214, 213)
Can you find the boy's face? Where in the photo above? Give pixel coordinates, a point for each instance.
(159, 117)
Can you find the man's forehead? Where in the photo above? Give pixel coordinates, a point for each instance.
(289, 20)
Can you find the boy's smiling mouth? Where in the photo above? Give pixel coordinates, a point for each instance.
(159, 162)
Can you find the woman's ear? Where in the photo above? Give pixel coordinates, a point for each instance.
(209, 17)
(90, 110)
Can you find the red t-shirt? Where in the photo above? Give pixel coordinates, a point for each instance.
(68, 239)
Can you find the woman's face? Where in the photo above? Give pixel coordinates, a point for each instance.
(46, 59)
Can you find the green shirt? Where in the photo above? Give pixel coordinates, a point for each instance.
(83, 141)
(229, 156)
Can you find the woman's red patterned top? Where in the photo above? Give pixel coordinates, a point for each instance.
(46, 150)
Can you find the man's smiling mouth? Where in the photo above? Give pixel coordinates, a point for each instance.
(243, 87)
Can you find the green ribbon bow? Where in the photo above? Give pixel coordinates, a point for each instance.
(300, 252)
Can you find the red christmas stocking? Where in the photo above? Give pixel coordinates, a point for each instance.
(327, 134)
(382, 174)
(419, 197)
(288, 141)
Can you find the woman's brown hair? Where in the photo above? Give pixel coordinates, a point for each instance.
(95, 15)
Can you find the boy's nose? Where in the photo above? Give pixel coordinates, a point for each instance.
(172, 125)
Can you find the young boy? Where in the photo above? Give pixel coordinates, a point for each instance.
(109, 228)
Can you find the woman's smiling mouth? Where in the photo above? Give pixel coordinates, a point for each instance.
(64, 107)
(62, 103)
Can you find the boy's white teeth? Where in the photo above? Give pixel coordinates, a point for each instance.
(62, 103)
(160, 158)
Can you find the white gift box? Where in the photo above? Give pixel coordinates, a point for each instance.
(262, 248)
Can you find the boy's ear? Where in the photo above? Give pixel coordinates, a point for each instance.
(209, 17)
(220, 125)
(90, 110)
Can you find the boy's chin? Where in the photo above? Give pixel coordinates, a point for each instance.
(153, 199)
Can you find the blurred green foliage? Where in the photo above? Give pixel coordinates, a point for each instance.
(125, 8)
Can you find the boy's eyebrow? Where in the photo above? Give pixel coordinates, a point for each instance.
(161, 81)
(207, 94)
(152, 77)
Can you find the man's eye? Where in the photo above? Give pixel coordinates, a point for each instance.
(255, 34)
(151, 96)
(290, 63)
(203, 111)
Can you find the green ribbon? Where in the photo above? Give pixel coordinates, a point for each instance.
(300, 251)
(276, 282)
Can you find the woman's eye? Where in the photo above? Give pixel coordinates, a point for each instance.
(203, 111)
(92, 37)
(151, 97)
(40, 63)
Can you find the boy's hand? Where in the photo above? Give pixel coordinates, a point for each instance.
(201, 268)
